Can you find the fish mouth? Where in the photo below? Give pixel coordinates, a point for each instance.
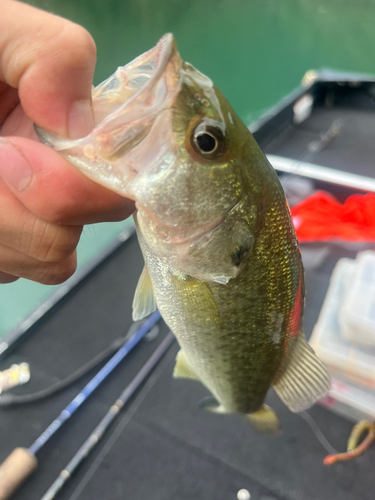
(134, 94)
(140, 85)
(157, 60)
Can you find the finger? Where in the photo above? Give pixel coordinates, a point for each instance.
(52, 189)
(9, 100)
(7, 278)
(17, 123)
(23, 231)
(51, 61)
(48, 273)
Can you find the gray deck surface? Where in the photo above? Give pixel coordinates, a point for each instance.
(162, 446)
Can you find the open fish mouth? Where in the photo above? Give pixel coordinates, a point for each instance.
(131, 85)
(125, 108)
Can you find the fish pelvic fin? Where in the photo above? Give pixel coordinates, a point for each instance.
(182, 368)
(144, 302)
(304, 380)
(264, 421)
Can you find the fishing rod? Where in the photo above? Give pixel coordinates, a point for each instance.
(22, 462)
(108, 418)
(9, 400)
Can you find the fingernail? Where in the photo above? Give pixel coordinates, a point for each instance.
(80, 120)
(15, 170)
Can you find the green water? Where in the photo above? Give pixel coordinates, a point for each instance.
(256, 51)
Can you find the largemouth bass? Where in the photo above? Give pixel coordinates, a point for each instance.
(222, 262)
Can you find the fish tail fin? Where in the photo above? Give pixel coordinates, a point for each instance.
(304, 380)
(264, 421)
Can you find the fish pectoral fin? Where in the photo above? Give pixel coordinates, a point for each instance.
(182, 368)
(264, 421)
(198, 297)
(304, 380)
(211, 404)
(144, 302)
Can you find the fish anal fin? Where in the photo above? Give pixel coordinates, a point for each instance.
(144, 302)
(304, 380)
(182, 368)
(264, 421)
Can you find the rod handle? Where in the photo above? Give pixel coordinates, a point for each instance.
(14, 470)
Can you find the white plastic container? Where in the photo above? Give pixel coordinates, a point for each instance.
(357, 311)
(350, 400)
(344, 359)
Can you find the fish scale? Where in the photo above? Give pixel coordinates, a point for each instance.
(235, 349)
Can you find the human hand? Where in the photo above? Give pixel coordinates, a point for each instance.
(46, 69)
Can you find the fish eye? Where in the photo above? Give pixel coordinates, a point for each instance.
(208, 141)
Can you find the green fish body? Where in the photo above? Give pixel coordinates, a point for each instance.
(222, 262)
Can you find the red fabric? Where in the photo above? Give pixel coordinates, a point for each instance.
(321, 217)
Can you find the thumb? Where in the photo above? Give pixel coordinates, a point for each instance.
(51, 61)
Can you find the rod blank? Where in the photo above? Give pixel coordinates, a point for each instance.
(21, 463)
(94, 383)
(108, 418)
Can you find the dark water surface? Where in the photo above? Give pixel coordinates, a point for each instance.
(256, 51)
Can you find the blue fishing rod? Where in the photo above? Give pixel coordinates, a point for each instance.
(102, 427)
(22, 462)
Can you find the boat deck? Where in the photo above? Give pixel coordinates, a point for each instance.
(163, 446)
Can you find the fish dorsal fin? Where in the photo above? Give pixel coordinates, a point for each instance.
(144, 302)
(304, 380)
(182, 368)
